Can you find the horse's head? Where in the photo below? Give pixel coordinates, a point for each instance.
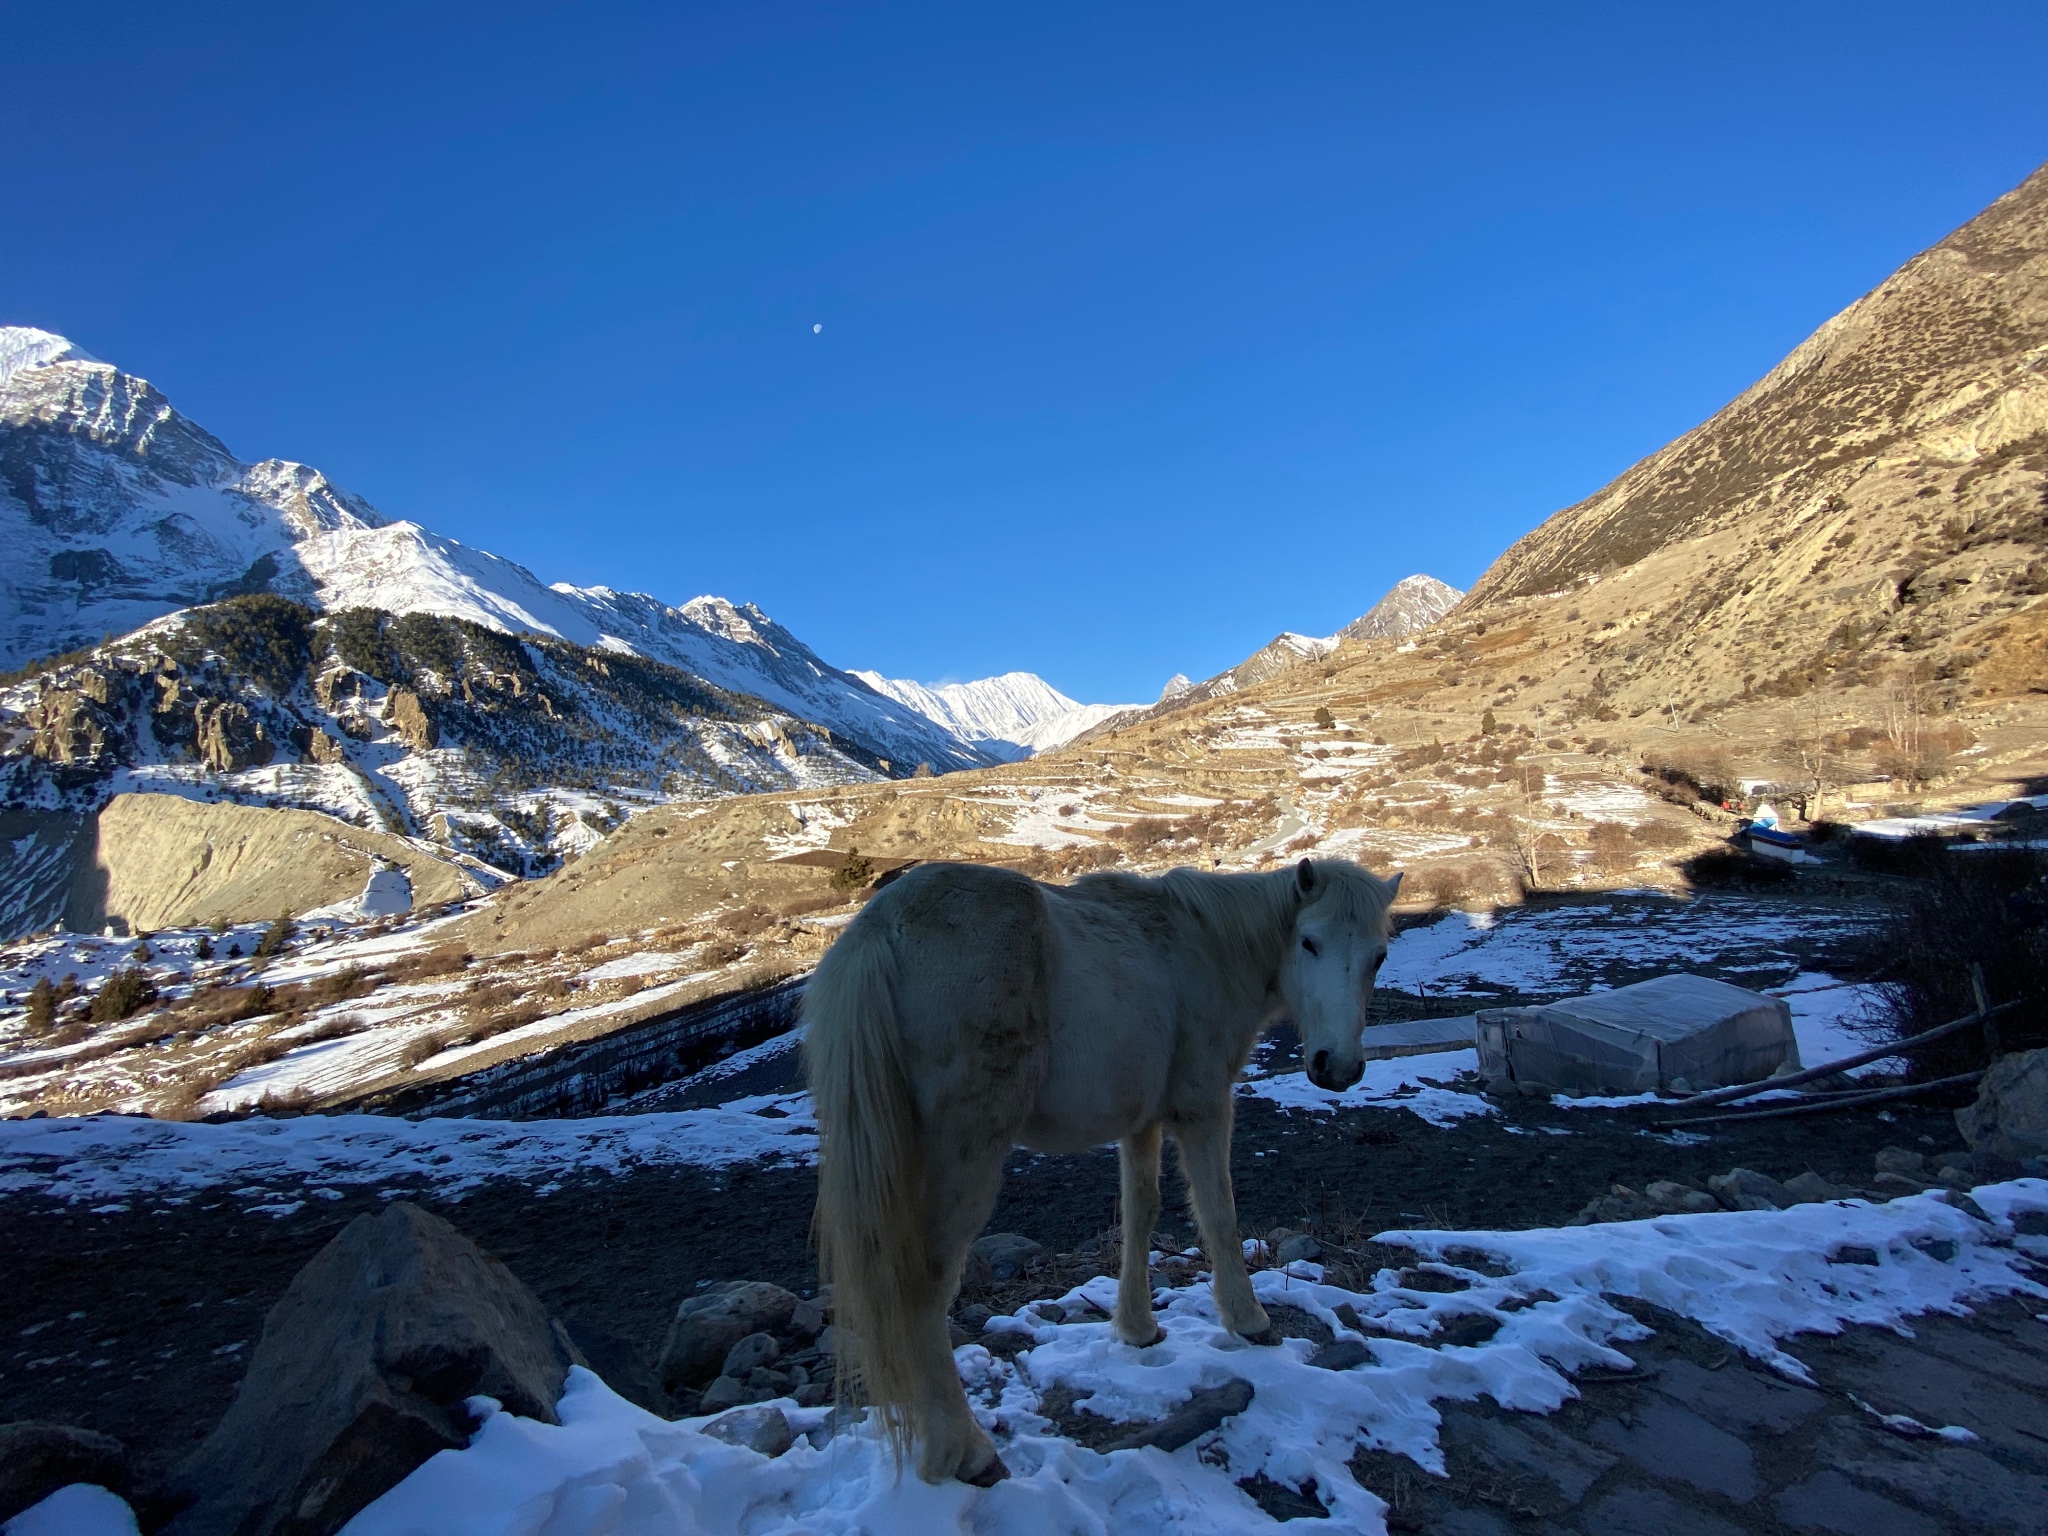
(1340, 939)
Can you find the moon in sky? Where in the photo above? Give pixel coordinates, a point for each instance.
(816, 329)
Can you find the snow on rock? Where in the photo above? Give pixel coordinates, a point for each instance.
(23, 347)
(80, 1509)
(1012, 716)
(1753, 1278)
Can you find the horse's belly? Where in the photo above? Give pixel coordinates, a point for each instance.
(1086, 1101)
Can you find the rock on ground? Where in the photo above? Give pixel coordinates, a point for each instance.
(2010, 1117)
(708, 1324)
(363, 1371)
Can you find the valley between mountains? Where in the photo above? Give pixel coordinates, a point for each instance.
(509, 816)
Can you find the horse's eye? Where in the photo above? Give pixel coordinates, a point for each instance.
(1310, 946)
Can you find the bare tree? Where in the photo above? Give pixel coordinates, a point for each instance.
(1816, 758)
(1521, 835)
(1907, 704)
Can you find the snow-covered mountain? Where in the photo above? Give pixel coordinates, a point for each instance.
(1414, 603)
(1011, 717)
(115, 510)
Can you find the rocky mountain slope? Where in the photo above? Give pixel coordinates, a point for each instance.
(1008, 717)
(115, 510)
(1834, 589)
(1410, 606)
(510, 754)
(1880, 496)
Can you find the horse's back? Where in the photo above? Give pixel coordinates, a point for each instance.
(968, 951)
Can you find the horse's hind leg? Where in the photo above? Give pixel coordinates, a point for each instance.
(1205, 1159)
(964, 1165)
(1135, 1323)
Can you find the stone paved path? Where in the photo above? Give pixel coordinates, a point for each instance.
(1701, 1441)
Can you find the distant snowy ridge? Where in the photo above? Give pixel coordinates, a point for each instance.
(116, 510)
(1012, 716)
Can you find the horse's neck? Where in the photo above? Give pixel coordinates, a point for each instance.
(1250, 921)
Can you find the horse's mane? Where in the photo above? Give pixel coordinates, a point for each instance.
(1245, 914)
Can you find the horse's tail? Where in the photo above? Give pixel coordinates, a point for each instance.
(870, 1216)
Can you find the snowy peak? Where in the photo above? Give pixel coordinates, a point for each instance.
(1414, 603)
(1012, 716)
(23, 347)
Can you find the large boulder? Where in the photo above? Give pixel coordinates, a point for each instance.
(364, 1371)
(1009, 1255)
(37, 1459)
(708, 1324)
(2010, 1117)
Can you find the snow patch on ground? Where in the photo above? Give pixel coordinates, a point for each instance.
(1751, 1277)
(105, 1157)
(1419, 1084)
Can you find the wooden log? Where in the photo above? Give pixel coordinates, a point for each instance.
(1793, 1080)
(1820, 1103)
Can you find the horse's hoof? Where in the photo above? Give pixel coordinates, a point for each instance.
(1266, 1335)
(993, 1471)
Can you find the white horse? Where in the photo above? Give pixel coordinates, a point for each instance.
(968, 1009)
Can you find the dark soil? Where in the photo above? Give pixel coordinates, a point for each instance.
(136, 1322)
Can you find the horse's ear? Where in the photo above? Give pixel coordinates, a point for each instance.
(1305, 875)
(1394, 884)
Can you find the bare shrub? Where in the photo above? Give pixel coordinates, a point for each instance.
(1446, 885)
(1659, 834)
(1970, 910)
(1614, 848)
(445, 960)
(1722, 866)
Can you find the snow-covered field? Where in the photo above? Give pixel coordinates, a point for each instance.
(1752, 1278)
(105, 1158)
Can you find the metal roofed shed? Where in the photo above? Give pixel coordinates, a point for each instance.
(1682, 1031)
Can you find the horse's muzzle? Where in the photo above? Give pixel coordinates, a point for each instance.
(1320, 1074)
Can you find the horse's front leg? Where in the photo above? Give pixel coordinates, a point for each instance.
(1205, 1159)
(1135, 1323)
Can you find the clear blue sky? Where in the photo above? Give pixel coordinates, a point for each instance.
(1149, 331)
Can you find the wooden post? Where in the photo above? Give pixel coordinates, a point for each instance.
(1991, 1047)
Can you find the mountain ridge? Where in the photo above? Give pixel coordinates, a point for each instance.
(1012, 715)
(120, 510)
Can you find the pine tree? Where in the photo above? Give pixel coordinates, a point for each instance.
(42, 1007)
